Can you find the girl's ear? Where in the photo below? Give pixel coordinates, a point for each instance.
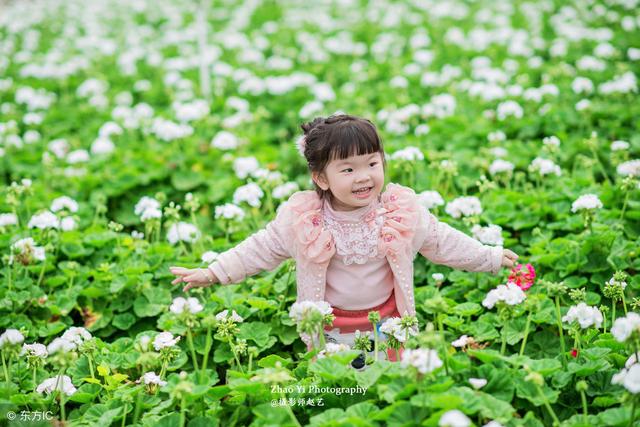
(320, 180)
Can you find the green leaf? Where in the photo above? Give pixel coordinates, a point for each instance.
(330, 369)
(258, 332)
(123, 321)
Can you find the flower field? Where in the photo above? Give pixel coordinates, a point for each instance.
(137, 135)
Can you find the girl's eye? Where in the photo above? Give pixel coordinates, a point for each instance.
(374, 163)
(348, 169)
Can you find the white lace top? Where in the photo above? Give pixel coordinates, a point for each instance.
(357, 278)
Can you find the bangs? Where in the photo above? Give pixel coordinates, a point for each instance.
(352, 139)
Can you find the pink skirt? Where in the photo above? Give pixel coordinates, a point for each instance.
(348, 321)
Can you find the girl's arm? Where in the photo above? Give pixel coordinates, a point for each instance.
(445, 245)
(263, 250)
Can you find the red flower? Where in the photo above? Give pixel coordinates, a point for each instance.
(523, 279)
(574, 352)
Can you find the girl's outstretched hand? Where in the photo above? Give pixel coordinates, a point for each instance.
(508, 258)
(193, 277)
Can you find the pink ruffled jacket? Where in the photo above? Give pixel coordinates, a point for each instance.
(408, 228)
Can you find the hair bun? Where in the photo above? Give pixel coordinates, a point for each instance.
(309, 126)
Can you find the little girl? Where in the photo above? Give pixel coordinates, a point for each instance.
(353, 243)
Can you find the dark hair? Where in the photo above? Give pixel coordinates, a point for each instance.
(337, 137)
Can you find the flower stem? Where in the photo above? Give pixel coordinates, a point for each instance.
(4, 367)
(624, 304)
(291, 414)
(235, 355)
(556, 421)
(207, 348)
(444, 347)
(503, 345)
(585, 408)
(193, 351)
(90, 366)
(183, 416)
(633, 412)
(124, 415)
(613, 311)
(559, 320)
(375, 342)
(624, 205)
(526, 333)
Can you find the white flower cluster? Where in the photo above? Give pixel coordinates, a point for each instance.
(460, 342)
(285, 190)
(190, 111)
(545, 167)
(586, 202)
(34, 350)
(148, 208)
(623, 327)
(510, 294)
(11, 337)
(629, 168)
(629, 378)
(166, 130)
(63, 384)
(301, 310)
(508, 109)
(181, 304)
(150, 378)
(44, 220)
(423, 359)
(489, 235)
(464, 206)
(250, 193)
(619, 145)
(164, 340)
(501, 166)
(64, 202)
(71, 340)
(454, 418)
(7, 219)
(183, 231)
(229, 211)
(585, 316)
(225, 140)
(410, 154)
(27, 246)
(333, 348)
(224, 315)
(430, 199)
(393, 327)
(245, 166)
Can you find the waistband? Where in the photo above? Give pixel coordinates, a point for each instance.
(389, 304)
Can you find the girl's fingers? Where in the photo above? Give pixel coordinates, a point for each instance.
(176, 281)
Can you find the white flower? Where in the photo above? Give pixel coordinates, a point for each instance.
(544, 167)
(224, 314)
(510, 294)
(632, 360)
(102, 145)
(225, 140)
(68, 224)
(7, 219)
(496, 136)
(11, 337)
(582, 85)
(460, 342)
(623, 327)
(183, 231)
(586, 201)
(151, 378)
(490, 235)
(300, 310)
(454, 418)
(164, 340)
(464, 206)
(552, 141)
(410, 154)
(110, 128)
(244, 166)
(509, 109)
(229, 211)
(430, 199)
(285, 190)
(393, 327)
(61, 345)
(500, 166)
(250, 193)
(78, 156)
(28, 246)
(167, 130)
(333, 348)
(43, 220)
(422, 129)
(424, 360)
(180, 305)
(35, 350)
(583, 104)
(137, 234)
(76, 335)
(438, 277)
(477, 383)
(493, 424)
(151, 213)
(209, 256)
(619, 145)
(585, 315)
(64, 202)
(146, 203)
(632, 168)
(629, 378)
(63, 384)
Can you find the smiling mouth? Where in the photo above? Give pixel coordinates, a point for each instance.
(362, 191)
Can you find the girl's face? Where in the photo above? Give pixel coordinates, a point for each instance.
(345, 176)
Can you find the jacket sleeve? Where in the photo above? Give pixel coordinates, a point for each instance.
(263, 250)
(445, 245)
